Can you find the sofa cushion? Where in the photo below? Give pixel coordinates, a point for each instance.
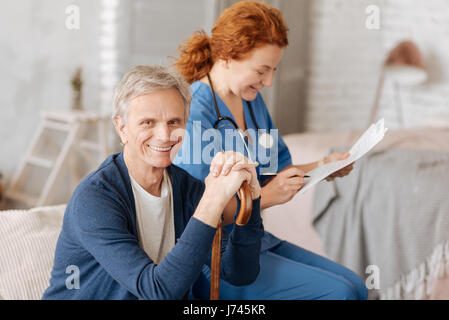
(27, 245)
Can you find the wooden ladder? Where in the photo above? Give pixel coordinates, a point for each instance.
(70, 123)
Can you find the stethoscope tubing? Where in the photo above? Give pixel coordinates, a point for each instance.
(224, 118)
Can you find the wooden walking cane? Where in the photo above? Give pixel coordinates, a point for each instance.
(246, 206)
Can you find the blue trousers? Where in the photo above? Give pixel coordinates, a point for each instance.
(289, 272)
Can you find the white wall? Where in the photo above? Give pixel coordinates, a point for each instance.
(159, 27)
(345, 61)
(38, 56)
(427, 23)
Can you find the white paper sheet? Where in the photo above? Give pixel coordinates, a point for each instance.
(372, 136)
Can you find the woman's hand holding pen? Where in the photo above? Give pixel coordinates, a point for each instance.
(282, 187)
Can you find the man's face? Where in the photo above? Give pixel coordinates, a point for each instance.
(154, 129)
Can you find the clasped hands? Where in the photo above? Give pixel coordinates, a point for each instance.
(228, 170)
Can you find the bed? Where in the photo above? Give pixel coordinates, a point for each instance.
(388, 220)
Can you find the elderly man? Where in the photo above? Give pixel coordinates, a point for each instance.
(141, 228)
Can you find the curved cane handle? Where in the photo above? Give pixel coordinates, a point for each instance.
(246, 205)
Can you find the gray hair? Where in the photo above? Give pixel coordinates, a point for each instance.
(141, 80)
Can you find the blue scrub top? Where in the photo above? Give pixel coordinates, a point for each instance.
(202, 141)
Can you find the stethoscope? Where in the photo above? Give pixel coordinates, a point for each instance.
(265, 139)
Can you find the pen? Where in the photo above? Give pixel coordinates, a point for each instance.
(275, 174)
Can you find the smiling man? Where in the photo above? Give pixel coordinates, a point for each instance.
(141, 228)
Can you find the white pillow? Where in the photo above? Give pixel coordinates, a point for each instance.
(27, 245)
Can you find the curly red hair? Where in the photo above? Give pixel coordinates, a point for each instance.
(239, 29)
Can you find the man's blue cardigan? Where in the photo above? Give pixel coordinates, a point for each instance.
(99, 239)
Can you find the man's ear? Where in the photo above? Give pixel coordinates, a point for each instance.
(121, 128)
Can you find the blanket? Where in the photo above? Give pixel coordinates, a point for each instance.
(390, 215)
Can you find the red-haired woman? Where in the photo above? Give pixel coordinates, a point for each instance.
(226, 72)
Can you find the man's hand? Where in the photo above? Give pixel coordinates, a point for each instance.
(230, 163)
(228, 171)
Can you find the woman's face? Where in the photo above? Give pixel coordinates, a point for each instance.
(255, 71)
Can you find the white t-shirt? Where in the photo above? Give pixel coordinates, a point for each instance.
(155, 220)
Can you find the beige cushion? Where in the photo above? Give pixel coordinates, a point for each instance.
(27, 245)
